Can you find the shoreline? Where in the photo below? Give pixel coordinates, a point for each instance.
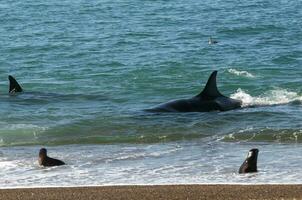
(141, 192)
(151, 185)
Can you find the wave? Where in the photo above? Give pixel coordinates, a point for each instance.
(273, 97)
(119, 139)
(241, 73)
(148, 129)
(265, 135)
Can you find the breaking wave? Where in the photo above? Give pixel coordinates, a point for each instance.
(273, 97)
(265, 135)
(241, 73)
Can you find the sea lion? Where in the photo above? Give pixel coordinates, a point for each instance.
(250, 163)
(46, 161)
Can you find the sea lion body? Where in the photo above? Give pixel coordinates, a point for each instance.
(250, 163)
(46, 161)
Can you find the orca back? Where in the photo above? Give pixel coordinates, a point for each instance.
(210, 91)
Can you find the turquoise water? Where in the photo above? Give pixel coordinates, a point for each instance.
(89, 69)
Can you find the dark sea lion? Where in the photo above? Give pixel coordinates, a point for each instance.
(208, 100)
(250, 163)
(46, 161)
(14, 86)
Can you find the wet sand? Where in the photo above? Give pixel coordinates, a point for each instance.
(186, 192)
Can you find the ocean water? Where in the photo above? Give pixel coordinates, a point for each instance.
(90, 68)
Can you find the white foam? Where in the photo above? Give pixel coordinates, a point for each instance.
(7, 165)
(22, 127)
(216, 165)
(241, 73)
(272, 97)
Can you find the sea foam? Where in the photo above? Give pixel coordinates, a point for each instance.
(272, 97)
(241, 73)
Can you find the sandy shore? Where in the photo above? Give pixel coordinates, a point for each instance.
(186, 192)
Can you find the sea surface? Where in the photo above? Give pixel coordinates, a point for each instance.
(90, 68)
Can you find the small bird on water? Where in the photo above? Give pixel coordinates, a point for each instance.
(211, 41)
(46, 161)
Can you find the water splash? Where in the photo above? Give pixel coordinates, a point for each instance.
(273, 97)
(241, 73)
(265, 135)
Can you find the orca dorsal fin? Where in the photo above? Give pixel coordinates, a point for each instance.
(210, 90)
(14, 85)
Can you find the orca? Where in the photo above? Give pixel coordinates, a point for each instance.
(14, 86)
(16, 90)
(210, 99)
(250, 163)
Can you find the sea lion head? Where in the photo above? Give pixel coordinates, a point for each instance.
(43, 153)
(250, 163)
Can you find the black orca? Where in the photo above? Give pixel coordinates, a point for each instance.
(14, 86)
(209, 99)
(250, 163)
(46, 161)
